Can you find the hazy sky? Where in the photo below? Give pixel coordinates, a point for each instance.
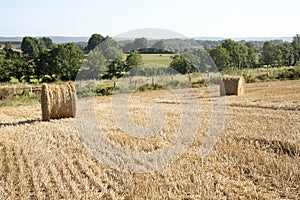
(210, 18)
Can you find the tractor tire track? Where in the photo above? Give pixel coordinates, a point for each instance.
(13, 175)
(29, 176)
(39, 185)
(85, 182)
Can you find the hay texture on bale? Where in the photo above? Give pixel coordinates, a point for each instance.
(232, 85)
(58, 101)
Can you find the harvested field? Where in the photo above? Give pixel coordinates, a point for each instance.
(257, 156)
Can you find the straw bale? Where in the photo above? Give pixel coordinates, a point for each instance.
(232, 85)
(58, 101)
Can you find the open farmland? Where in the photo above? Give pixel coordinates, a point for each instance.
(161, 59)
(257, 156)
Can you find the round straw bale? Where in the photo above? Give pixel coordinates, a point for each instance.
(58, 101)
(232, 85)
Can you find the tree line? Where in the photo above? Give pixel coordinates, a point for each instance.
(231, 54)
(103, 57)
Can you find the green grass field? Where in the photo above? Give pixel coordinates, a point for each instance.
(161, 59)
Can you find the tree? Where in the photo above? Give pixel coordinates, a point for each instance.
(47, 42)
(8, 46)
(45, 66)
(296, 48)
(277, 55)
(116, 69)
(287, 54)
(140, 43)
(269, 53)
(233, 49)
(128, 47)
(4, 72)
(220, 56)
(94, 66)
(9, 52)
(33, 46)
(67, 59)
(134, 59)
(2, 57)
(30, 46)
(94, 41)
(198, 58)
(181, 65)
(159, 45)
(241, 55)
(28, 67)
(81, 45)
(16, 66)
(110, 49)
(251, 56)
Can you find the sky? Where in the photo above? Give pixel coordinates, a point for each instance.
(192, 18)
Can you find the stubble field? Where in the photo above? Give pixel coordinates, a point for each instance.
(256, 157)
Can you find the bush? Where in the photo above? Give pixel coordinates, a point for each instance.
(46, 79)
(104, 90)
(198, 83)
(25, 93)
(291, 73)
(5, 93)
(148, 86)
(85, 92)
(263, 77)
(249, 78)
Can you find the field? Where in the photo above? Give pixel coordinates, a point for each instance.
(161, 59)
(256, 157)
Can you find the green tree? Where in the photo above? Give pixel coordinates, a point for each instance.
(181, 65)
(198, 57)
(32, 46)
(127, 46)
(4, 72)
(2, 57)
(67, 59)
(134, 59)
(28, 68)
(94, 41)
(159, 45)
(9, 52)
(287, 54)
(17, 66)
(220, 56)
(45, 66)
(269, 54)
(251, 55)
(140, 43)
(278, 55)
(47, 42)
(94, 66)
(296, 48)
(241, 55)
(234, 51)
(81, 45)
(116, 69)
(110, 49)
(8, 46)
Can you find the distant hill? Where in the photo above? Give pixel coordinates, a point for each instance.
(287, 39)
(55, 39)
(65, 39)
(62, 39)
(4, 39)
